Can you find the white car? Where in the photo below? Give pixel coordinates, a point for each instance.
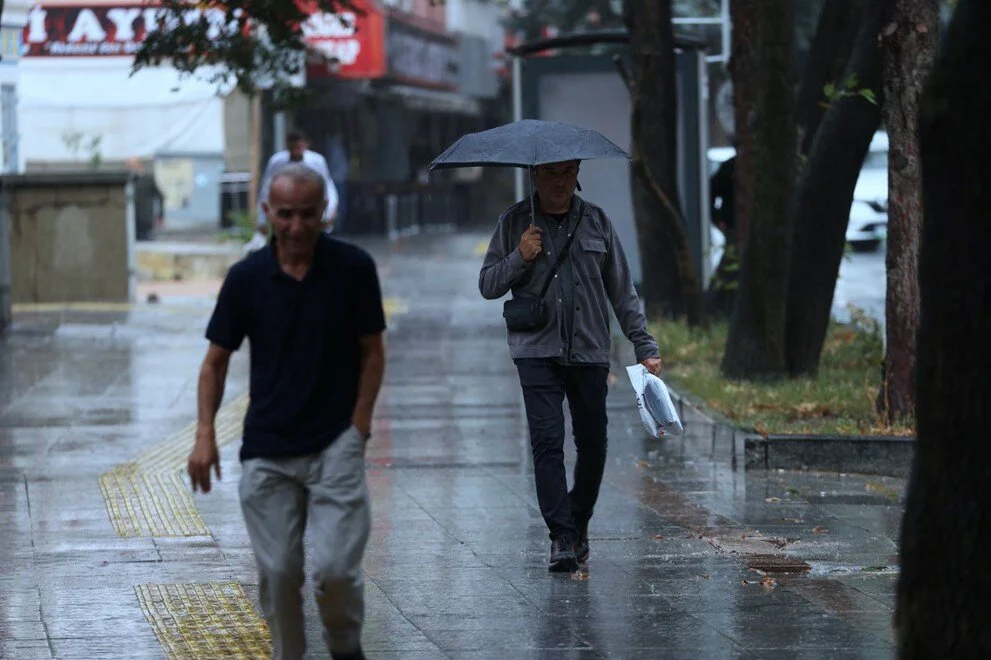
(868, 225)
(869, 212)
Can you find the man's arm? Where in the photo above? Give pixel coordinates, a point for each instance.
(369, 319)
(332, 197)
(213, 375)
(225, 332)
(370, 381)
(618, 281)
(503, 264)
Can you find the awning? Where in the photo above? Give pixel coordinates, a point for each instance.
(429, 100)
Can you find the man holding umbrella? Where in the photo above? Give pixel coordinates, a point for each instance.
(563, 261)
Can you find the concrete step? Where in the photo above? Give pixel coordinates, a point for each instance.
(169, 261)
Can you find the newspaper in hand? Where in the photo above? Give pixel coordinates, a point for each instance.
(657, 411)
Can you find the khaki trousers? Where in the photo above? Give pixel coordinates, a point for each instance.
(327, 492)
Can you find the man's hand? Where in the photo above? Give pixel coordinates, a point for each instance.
(203, 457)
(653, 365)
(530, 244)
(363, 425)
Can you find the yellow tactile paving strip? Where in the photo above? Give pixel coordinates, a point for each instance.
(148, 496)
(392, 306)
(92, 307)
(211, 620)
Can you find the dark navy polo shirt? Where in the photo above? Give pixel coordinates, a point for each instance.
(304, 339)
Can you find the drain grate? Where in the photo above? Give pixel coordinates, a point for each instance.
(776, 564)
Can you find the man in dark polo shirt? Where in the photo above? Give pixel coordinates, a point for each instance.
(311, 308)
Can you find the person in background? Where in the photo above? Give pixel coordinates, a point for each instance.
(340, 171)
(297, 151)
(148, 201)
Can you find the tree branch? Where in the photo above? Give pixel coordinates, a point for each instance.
(626, 76)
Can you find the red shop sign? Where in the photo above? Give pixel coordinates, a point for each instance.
(355, 39)
(101, 30)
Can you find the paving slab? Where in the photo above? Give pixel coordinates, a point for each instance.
(108, 554)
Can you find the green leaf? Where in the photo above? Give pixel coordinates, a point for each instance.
(851, 81)
(829, 90)
(869, 95)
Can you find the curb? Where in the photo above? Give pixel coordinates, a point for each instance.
(889, 456)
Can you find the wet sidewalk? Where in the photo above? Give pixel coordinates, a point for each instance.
(107, 554)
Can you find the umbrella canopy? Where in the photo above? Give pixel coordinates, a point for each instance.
(527, 143)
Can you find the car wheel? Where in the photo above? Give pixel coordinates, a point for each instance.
(865, 246)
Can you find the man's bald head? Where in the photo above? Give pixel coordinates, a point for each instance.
(297, 173)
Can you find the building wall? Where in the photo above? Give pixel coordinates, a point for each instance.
(11, 26)
(429, 10)
(480, 18)
(71, 237)
(237, 132)
(482, 41)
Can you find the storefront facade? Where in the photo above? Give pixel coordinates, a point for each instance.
(392, 98)
(80, 107)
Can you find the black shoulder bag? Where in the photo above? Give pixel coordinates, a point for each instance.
(527, 313)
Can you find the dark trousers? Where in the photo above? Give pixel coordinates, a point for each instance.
(545, 383)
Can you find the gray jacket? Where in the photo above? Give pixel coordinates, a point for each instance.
(601, 277)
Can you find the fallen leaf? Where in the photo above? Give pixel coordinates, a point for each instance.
(658, 537)
(643, 464)
(818, 530)
(768, 583)
(771, 500)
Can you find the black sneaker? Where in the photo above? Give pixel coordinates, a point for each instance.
(581, 548)
(562, 556)
(354, 655)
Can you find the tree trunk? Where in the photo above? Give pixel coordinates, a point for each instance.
(755, 347)
(910, 41)
(825, 192)
(671, 286)
(725, 284)
(830, 51)
(742, 68)
(942, 606)
(835, 31)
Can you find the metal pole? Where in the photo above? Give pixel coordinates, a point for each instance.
(5, 293)
(256, 152)
(518, 115)
(727, 30)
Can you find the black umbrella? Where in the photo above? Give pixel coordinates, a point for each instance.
(527, 143)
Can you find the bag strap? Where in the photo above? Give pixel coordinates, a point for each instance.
(564, 251)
